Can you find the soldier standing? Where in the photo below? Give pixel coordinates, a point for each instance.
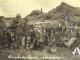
(17, 29)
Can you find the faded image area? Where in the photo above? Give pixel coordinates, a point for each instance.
(39, 30)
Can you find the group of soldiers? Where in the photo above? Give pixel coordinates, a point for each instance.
(20, 36)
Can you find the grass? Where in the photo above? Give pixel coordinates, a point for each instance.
(66, 54)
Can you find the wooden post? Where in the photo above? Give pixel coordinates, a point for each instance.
(26, 27)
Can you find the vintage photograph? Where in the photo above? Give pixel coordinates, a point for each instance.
(39, 29)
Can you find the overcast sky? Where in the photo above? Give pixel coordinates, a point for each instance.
(24, 7)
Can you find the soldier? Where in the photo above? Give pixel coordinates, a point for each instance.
(7, 38)
(17, 29)
(32, 35)
(2, 28)
(2, 25)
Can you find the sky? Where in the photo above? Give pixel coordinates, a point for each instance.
(25, 7)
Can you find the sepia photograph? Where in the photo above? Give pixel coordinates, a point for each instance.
(39, 29)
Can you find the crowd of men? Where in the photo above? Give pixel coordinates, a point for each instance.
(25, 36)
